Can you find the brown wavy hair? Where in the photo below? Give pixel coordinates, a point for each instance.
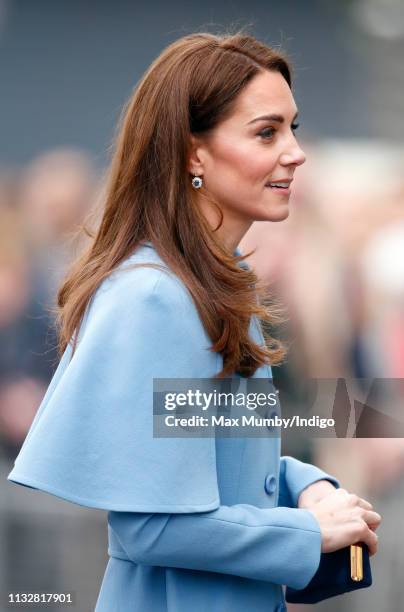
(188, 89)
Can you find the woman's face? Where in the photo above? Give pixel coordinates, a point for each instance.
(246, 152)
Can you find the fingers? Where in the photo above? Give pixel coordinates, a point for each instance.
(365, 511)
(370, 538)
(365, 533)
(364, 504)
(371, 518)
(355, 500)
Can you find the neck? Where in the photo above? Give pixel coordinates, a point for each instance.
(232, 228)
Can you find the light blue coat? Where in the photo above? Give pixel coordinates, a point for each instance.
(201, 524)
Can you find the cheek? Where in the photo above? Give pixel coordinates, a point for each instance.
(247, 162)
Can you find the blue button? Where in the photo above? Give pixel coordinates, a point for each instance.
(270, 484)
(271, 414)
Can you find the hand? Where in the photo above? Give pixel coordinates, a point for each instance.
(346, 519)
(315, 493)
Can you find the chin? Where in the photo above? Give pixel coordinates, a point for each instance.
(280, 214)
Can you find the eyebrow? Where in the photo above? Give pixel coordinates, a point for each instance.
(277, 118)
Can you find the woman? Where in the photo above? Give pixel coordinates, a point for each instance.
(206, 147)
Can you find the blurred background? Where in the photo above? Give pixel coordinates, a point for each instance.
(337, 263)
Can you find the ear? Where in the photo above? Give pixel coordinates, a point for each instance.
(195, 156)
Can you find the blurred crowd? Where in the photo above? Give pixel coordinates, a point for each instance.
(337, 263)
(41, 207)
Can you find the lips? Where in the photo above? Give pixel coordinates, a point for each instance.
(281, 183)
(280, 189)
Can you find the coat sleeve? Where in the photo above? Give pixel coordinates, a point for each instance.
(295, 476)
(91, 441)
(278, 545)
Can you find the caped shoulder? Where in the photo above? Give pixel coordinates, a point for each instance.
(92, 441)
(136, 281)
(136, 296)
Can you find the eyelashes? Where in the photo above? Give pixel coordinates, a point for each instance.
(266, 136)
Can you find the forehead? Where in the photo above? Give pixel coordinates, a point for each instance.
(267, 92)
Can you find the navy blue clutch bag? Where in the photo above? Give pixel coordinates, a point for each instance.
(333, 577)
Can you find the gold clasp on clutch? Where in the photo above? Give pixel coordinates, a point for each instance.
(356, 562)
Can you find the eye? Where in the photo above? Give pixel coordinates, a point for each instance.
(294, 126)
(267, 133)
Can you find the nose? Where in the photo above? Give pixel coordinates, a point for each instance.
(293, 156)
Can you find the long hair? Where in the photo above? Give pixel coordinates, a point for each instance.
(188, 89)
